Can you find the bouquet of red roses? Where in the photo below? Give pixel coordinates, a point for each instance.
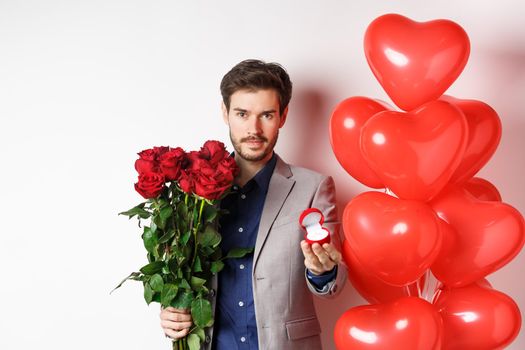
(182, 192)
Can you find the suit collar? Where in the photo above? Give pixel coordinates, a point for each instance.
(281, 183)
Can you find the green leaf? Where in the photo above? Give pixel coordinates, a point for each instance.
(148, 293)
(216, 266)
(173, 266)
(182, 283)
(132, 276)
(152, 268)
(153, 227)
(197, 267)
(209, 238)
(161, 202)
(182, 210)
(182, 300)
(238, 253)
(185, 238)
(150, 239)
(194, 342)
(169, 292)
(138, 210)
(197, 282)
(158, 221)
(209, 213)
(201, 312)
(199, 332)
(156, 298)
(167, 236)
(166, 212)
(156, 282)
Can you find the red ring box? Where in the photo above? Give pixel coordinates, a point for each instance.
(311, 220)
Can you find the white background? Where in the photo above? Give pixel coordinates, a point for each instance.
(84, 85)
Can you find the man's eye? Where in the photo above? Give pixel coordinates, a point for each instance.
(268, 116)
(241, 114)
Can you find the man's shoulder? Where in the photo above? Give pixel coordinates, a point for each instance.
(302, 174)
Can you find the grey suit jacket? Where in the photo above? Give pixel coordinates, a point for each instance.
(283, 297)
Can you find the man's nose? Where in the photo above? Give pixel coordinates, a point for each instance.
(254, 126)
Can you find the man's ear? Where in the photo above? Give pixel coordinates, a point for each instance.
(224, 113)
(283, 117)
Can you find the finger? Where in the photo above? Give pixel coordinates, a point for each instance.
(324, 259)
(307, 252)
(176, 334)
(179, 311)
(315, 268)
(175, 326)
(332, 252)
(320, 253)
(171, 316)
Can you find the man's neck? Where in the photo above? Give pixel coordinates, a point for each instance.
(249, 168)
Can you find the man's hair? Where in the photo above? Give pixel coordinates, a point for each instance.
(253, 75)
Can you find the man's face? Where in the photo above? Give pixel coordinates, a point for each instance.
(254, 122)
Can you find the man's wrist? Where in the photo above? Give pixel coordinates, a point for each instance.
(313, 274)
(319, 281)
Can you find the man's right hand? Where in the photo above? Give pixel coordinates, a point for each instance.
(176, 323)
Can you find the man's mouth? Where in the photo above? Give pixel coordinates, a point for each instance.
(254, 141)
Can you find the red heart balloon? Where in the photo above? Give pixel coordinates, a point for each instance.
(395, 240)
(415, 153)
(482, 189)
(345, 128)
(372, 288)
(406, 324)
(484, 135)
(415, 62)
(477, 317)
(481, 238)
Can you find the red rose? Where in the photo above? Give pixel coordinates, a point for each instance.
(196, 161)
(148, 154)
(210, 172)
(186, 181)
(228, 166)
(150, 185)
(171, 163)
(212, 181)
(213, 151)
(159, 151)
(147, 163)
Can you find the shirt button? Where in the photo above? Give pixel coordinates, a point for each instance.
(241, 304)
(243, 339)
(243, 196)
(241, 229)
(241, 266)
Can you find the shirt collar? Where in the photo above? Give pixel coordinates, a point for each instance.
(263, 176)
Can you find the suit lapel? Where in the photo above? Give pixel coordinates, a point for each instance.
(278, 190)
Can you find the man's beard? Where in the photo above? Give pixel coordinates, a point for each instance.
(237, 146)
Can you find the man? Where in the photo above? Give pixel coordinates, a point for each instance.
(264, 300)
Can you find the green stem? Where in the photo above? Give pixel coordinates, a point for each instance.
(155, 204)
(195, 232)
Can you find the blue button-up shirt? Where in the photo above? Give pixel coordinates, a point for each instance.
(235, 326)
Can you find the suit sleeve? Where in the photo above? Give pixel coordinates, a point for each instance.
(325, 200)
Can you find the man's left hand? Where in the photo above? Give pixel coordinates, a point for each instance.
(320, 259)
